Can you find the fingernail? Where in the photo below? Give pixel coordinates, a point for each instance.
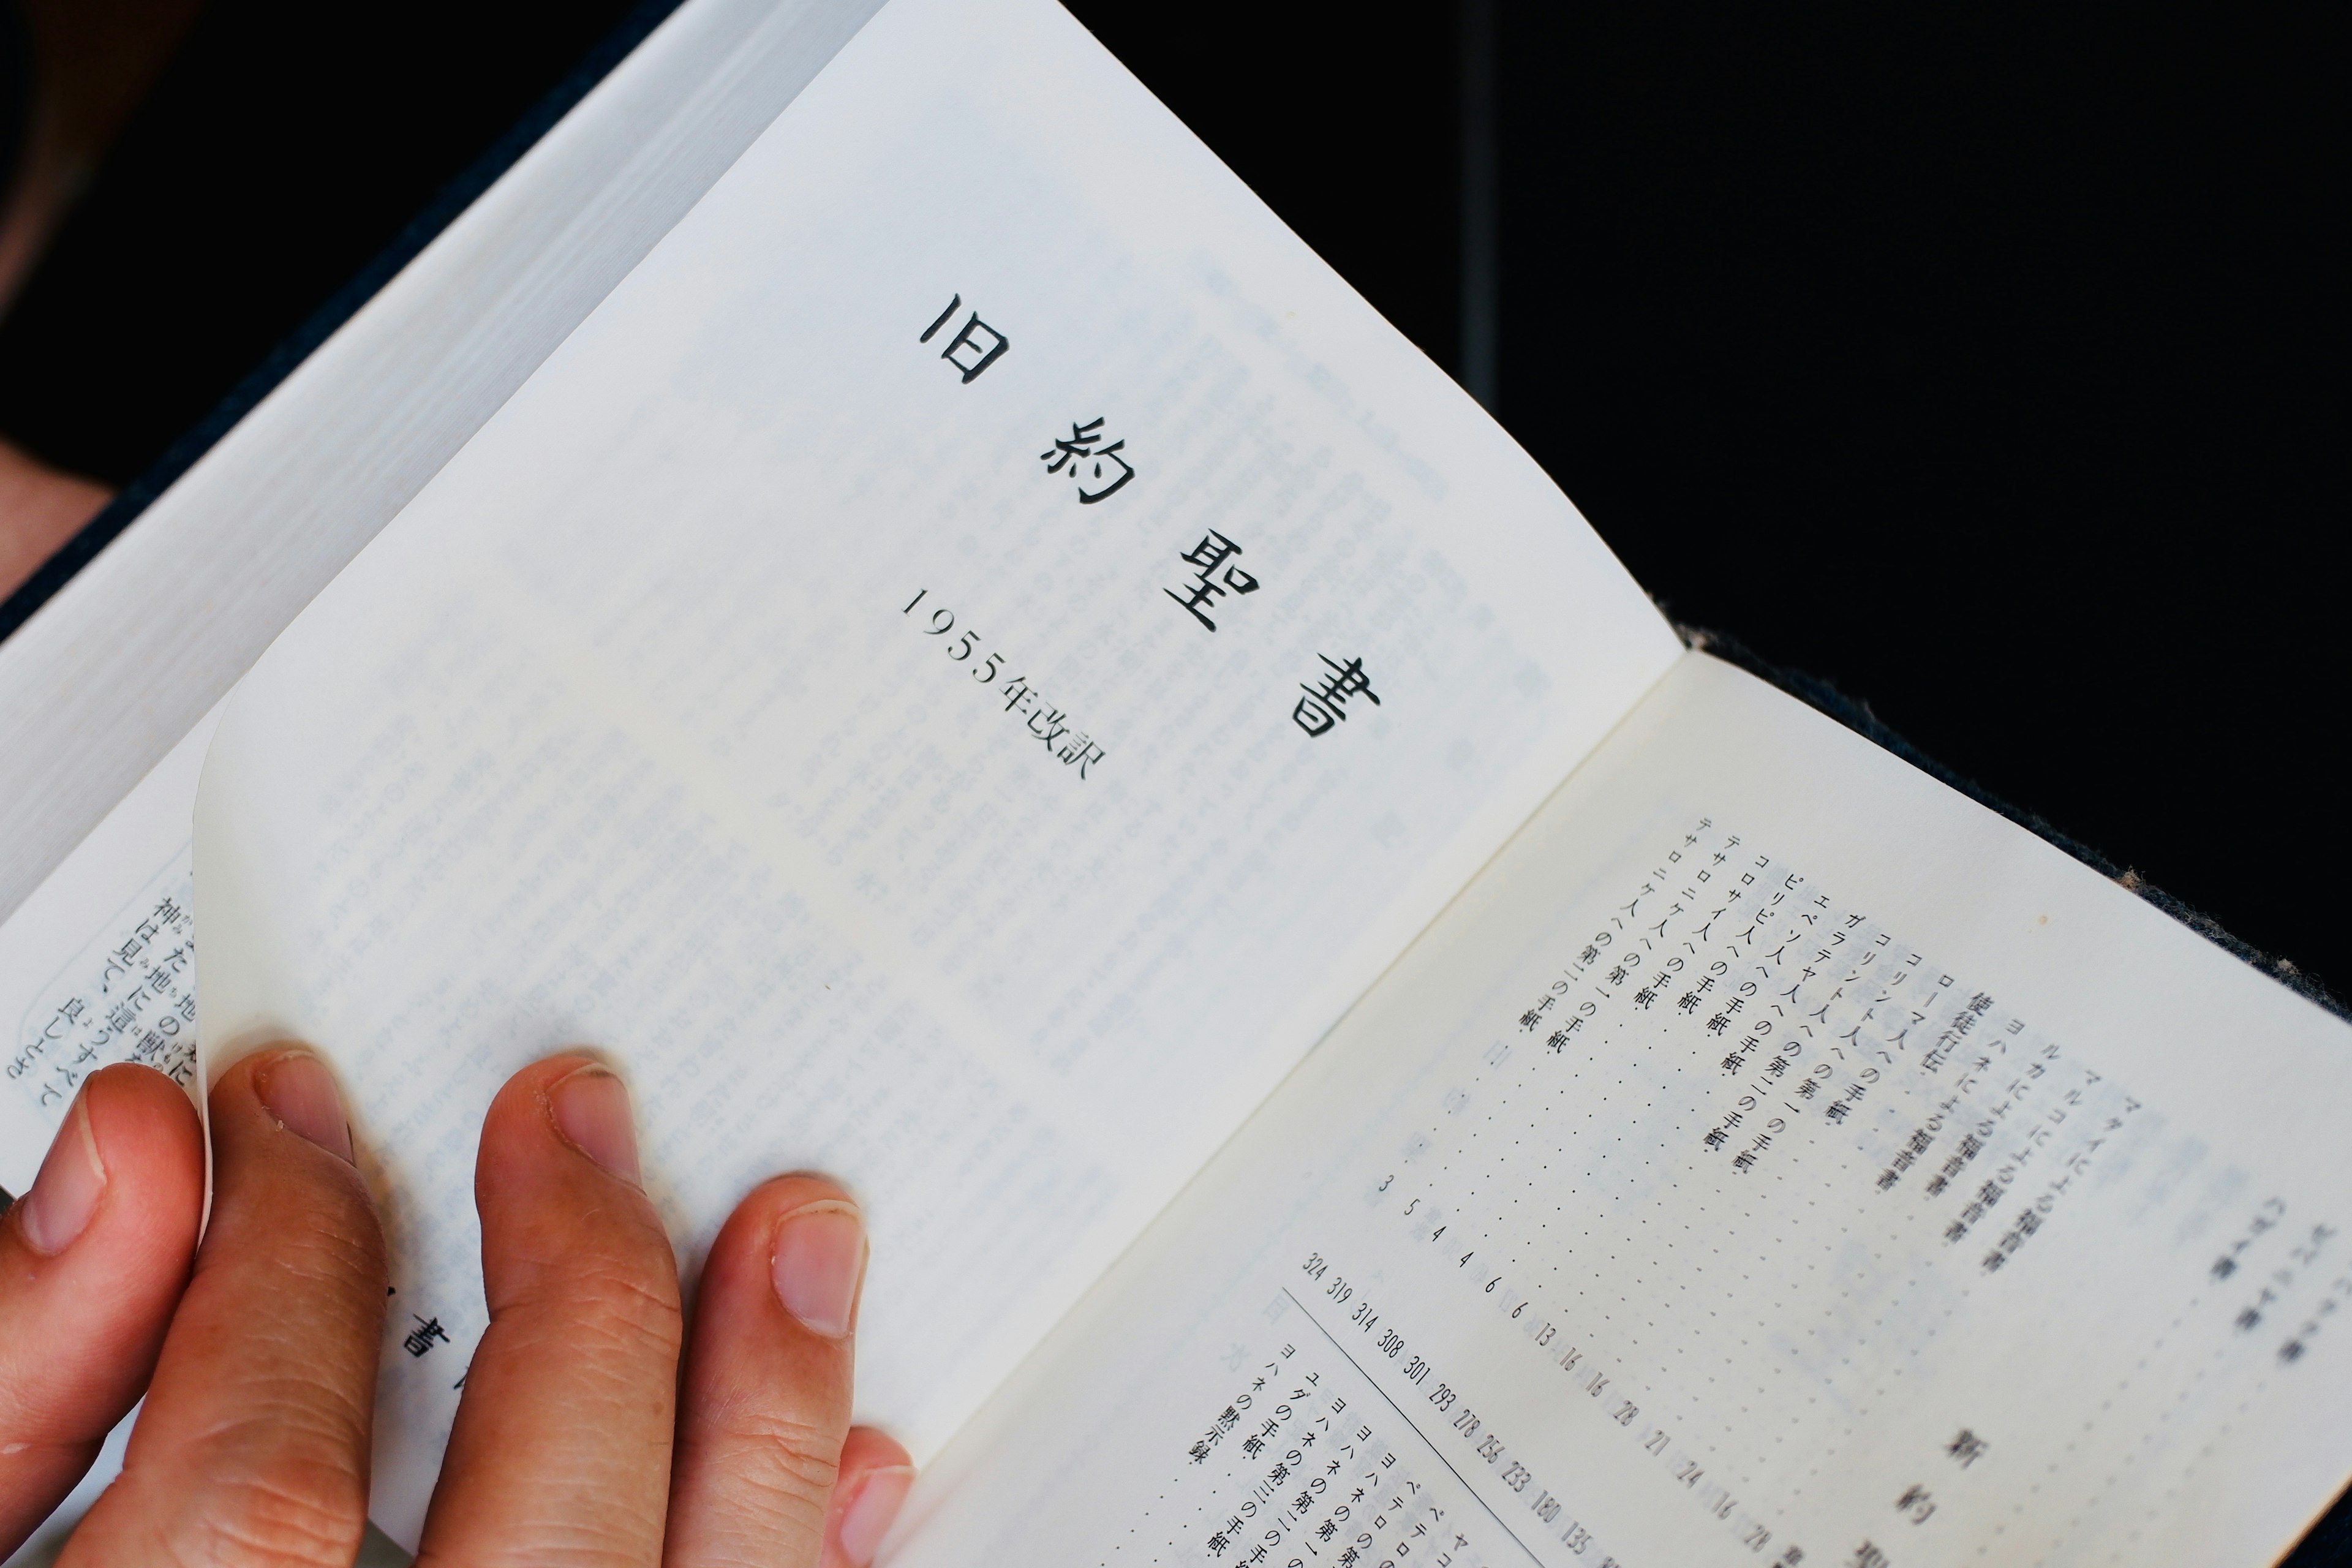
(819, 1262)
(65, 1194)
(868, 1517)
(299, 1091)
(592, 1110)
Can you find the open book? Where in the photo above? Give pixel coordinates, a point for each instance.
(980, 667)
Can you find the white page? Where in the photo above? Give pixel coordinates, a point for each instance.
(110, 674)
(97, 967)
(377, 408)
(1582, 1335)
(285, 499)
(629, 730)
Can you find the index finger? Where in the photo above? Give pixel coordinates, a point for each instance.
(254, 1443)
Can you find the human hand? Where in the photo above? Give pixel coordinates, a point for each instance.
(577, 1441)
(41, 508)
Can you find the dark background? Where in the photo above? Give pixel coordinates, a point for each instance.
(1987, 362)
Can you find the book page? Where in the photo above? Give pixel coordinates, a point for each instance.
(956, 675)
(147, 638)
(97, 967)
(98, 964)
(1773, 1158)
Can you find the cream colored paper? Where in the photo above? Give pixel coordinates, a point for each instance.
(97, 967)
(1568, 1329)
(633, 728)
(111, 673)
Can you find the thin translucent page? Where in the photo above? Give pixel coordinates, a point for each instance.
(1773, 1158)
(111, 673)
(757, 698)
(99, 965)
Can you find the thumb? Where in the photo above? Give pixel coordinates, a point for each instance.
(92, 1262)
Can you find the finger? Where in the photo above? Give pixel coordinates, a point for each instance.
(875, 1475)
(253, 1446)
(562, 1449)
(766, 1392)
(91, 1262)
